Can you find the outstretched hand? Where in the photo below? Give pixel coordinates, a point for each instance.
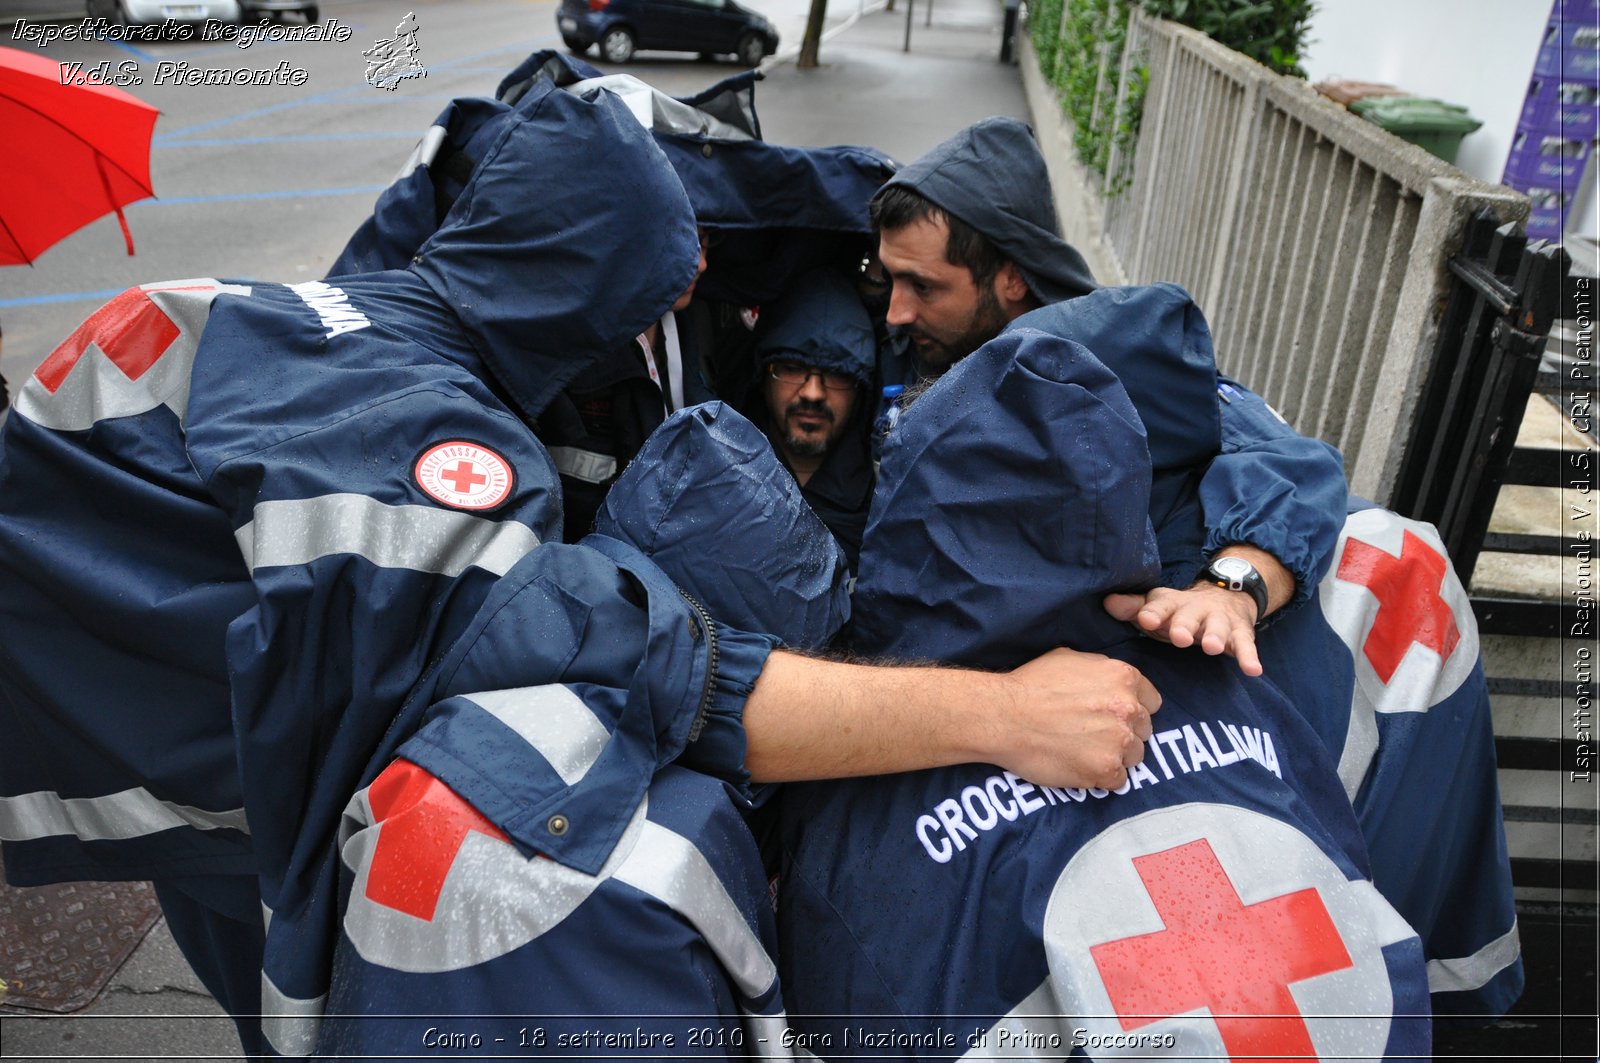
(1214, 618)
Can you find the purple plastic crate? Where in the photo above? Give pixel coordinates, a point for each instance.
(1570, 108)
(1581, 12)
(1570, 50)
(1546, 224)
(1544, 171)
(1546, 198)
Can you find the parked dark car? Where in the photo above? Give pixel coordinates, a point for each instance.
(710, 27)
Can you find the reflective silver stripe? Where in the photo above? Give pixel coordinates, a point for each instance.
(586, 465)
(1360, 747)
(554, 721)
(656, 110)
(1470, 972)
(132, 813)
(422, 538)
(289, 1024)
(667, 865)
(424, 153)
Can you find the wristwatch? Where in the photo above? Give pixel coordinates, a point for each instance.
(1237, 574)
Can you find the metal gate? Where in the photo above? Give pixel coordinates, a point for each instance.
(1505, 296)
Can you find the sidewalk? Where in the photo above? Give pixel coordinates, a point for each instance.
(868, 90)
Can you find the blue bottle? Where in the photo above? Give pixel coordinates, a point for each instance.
(888, 414)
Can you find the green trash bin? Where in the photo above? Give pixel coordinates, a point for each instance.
(1433, 125)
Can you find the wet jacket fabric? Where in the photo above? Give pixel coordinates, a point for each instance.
(708, 494)
(778, 211)
(966, 912)
(252, 532)
(1403, 707)
(821, 322)
(1227, 469)
(447, 915)
(1412, 733)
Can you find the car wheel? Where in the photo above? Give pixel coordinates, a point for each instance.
(617, 45)
(752, 49)
(119, 14)
(575, 46)
(312, 14)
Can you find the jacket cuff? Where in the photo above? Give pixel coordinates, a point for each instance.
(1273, 537)
(720, 747)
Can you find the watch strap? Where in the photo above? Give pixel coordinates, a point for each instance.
(1250, 583)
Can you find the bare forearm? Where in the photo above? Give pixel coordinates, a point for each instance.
(818, 719)
(1065, 719)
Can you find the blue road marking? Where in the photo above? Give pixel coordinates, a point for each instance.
(143, 57)
(235, 197)
(287, 138)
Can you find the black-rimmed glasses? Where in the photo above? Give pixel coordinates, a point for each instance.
(793, 373)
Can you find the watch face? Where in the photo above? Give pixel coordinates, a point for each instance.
(1231, 567)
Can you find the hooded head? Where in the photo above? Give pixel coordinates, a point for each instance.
(570, 237)
(820, 324)
(707, 500)
(1013, 495)
(992, 177)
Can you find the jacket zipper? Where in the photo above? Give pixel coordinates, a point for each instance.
(710, 629)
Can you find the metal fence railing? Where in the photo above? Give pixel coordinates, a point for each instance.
(1316, 243)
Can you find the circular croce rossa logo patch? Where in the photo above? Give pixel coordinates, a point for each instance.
(464, 475)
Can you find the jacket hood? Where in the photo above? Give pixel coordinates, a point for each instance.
(571, 235)
(1013, 495)
(779, 210)
(708, 501)
(992, 176)
(1156, 341)
(821, 323)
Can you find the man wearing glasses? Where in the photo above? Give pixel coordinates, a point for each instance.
(815, 357)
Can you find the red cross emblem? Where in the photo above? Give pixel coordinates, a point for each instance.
(1410, 609)
(464, 475)
(1216, 952)
(131, 330)
(425, 824)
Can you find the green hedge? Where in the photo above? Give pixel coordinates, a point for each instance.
(1274, 34)
(1074, 39)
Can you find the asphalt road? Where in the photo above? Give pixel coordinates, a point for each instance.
(268, 182)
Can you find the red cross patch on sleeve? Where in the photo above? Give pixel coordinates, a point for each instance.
(464, 475)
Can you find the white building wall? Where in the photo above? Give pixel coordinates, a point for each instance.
(1477, 53)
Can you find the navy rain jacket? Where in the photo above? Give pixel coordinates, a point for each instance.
(249, 533)
(1217, 904)
(446, 925)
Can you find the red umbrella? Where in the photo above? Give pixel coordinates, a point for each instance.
(71, 152)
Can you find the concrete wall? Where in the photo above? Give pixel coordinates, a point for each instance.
(1478, 53)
